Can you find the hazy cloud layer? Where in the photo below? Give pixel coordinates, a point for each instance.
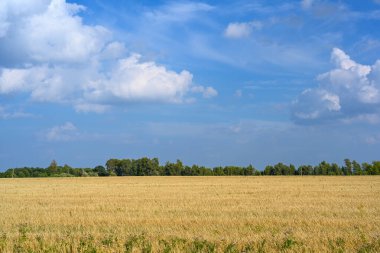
(50, 54)
(349, 92)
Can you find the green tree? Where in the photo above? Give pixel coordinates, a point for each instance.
(173, 169)
(334, 169)
(367, 169)
(53, 168)
(323, 168)
(292, 169)
(67, 169)
(249, 171)
(280, 169)
(305, 170)
(126, 167)
(357, 169)
(347, 170)
(113, 166)
(218, 171)
(102, 172)
(376, 167)
(269, 170)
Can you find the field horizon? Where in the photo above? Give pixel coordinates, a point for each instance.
(190, 214)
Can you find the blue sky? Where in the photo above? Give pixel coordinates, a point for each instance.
(211, 83)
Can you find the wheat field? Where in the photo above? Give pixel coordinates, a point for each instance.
(190, 214)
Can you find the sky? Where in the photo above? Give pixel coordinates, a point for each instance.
(212, 83)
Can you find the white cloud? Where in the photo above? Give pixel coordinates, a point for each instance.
(241, 30)
(13, 80)
(146, 81)
(91, 89)
(44, 83)
(113, 50)
(58, 34)
(313, 104)
(46, 31)
(60, 59)
(65, 132)
(207, 92)
(350, 92)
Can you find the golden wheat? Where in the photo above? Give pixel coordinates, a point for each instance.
(194, 214)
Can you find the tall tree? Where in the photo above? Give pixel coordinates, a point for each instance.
(348, 167)
(357, 169)
(53, 167)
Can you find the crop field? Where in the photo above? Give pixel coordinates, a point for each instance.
(190, 214)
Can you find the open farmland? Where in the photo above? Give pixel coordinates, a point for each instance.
(190, 214)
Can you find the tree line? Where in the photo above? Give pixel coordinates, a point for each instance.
(151, 167)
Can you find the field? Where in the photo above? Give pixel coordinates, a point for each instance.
(190, 214)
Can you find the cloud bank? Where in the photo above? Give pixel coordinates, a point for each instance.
(349, 92)
(51, 55)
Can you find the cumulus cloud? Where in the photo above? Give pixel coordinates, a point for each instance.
(47, 31)
(50, 54)
(65, 132)
(132, 79)
(241, 30)
(43, 83)
(58, 34)
(349, 92)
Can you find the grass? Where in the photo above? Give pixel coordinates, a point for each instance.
(190, 214)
